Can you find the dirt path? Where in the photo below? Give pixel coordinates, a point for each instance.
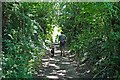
(59, 67)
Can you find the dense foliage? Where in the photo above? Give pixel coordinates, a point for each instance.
(92, 30)
(25, 28)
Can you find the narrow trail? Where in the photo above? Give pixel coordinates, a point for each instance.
(59, 67)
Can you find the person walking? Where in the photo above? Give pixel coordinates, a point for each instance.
(62, 41)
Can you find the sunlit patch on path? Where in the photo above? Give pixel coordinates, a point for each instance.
(59, 67)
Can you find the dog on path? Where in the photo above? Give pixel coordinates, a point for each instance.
(52, 50)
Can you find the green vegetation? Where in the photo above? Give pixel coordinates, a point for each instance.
(24, 32)
(92, 30)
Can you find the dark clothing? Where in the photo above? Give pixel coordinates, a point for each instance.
(62, 39)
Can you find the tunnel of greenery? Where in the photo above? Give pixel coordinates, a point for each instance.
(92, 30)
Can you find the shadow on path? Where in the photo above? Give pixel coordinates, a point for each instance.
(59, 67)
